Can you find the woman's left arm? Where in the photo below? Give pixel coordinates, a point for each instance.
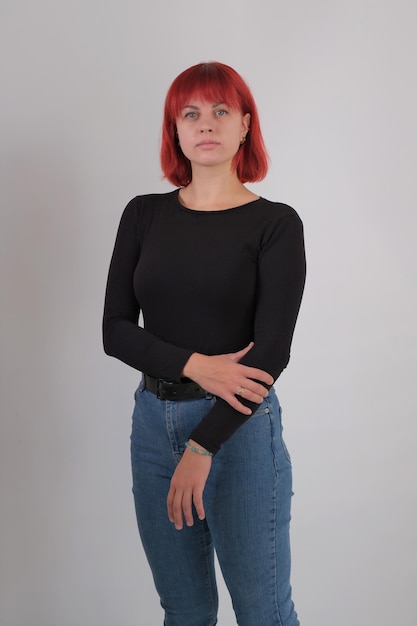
(281, 278)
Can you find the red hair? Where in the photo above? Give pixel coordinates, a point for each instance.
(214, 82)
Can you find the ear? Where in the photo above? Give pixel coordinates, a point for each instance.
(246, 122)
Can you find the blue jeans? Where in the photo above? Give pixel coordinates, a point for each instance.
(247, 500)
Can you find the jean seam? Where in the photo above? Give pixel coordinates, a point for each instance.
(275, 566)
(204, 552)
(272, 426)
(171, 425)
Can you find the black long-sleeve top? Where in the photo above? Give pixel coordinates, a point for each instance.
(208, 282)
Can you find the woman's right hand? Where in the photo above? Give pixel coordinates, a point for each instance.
(223, 376)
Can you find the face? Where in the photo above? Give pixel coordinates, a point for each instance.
(210, 133)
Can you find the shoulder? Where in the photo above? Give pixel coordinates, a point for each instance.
(267, 217)
(141, 210)
(277, 210)
(278, 223)
(145, 202)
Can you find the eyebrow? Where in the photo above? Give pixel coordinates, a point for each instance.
(192, 106)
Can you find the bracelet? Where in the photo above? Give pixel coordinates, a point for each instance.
(197, 450)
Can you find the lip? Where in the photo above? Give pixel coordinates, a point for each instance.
(207, 143)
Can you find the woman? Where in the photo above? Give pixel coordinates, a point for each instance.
(218, 273)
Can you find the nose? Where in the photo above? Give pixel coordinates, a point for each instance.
(206, 124)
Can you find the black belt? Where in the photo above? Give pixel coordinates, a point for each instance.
(170, 390)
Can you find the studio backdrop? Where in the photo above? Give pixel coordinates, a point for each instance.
(83, 84)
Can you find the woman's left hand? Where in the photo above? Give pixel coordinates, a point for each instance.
(187, 486)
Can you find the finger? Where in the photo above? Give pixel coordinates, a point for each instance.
(235, 404)
(170, 500)
(252, 396)
(198, 503)
(187, 508)
(257, 374)
(177, 510)
(236, 356)
(253, 391)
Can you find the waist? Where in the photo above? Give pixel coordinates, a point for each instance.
(164, 389)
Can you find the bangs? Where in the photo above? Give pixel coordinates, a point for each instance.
(206, 82)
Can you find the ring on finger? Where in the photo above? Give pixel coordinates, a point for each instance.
(240, 391)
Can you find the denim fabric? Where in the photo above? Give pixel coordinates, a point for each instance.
(247, 501)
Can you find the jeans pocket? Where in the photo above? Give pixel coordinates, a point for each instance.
(274, 409)
(262, 409)
(283, 446)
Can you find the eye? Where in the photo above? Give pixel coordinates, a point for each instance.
(191, 115)
(221, 112)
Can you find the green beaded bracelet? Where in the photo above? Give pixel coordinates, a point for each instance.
(197, 450)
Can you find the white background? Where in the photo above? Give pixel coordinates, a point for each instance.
(82, 89)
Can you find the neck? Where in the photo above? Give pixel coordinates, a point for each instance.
(215, 192)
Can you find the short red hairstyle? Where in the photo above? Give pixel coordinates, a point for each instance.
(214, 82)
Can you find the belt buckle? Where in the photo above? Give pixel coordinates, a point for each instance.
(162, 390)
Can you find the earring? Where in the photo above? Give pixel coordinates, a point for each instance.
(242, 141)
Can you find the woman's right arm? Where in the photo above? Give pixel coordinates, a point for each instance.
(122, 337)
